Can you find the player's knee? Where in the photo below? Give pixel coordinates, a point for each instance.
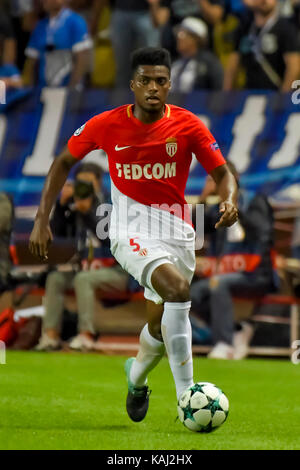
(178, 291)
(154, 328)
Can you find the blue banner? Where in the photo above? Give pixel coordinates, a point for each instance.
(258, 131)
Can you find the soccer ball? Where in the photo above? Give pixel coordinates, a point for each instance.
(203, 407)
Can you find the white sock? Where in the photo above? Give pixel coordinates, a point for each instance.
(177, 335)
(150, 353)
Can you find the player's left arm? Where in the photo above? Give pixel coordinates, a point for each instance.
(228, 191)
(208, 153)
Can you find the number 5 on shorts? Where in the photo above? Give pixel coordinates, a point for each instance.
(133, 243)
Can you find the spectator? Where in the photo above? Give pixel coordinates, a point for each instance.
(243, 267)
(9, 73)
(267, 47)
(169, 13)
(197, 67)
(61, 45)
(131, 27)
(81, 201)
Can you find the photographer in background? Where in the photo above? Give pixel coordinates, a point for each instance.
(75, 215)
(66, 219)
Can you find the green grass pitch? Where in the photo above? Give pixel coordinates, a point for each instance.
(77, 401)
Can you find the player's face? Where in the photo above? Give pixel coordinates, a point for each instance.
(151, 85)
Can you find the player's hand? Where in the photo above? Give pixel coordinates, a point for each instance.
(40, 239)
(229, 213)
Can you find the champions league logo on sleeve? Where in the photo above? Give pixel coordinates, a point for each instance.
(214, 146)
(78, 131)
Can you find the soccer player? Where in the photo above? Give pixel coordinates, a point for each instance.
(149, 146)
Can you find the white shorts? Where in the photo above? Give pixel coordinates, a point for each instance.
(141, 258)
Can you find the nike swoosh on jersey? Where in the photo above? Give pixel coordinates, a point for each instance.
(117, 148)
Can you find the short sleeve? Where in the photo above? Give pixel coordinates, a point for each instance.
(80, 37)
(34, 46)
(204, 146)
(90, 136)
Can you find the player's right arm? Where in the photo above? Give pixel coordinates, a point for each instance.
(87, 138)
(41, 235)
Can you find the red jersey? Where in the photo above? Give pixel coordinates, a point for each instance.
(149, 163)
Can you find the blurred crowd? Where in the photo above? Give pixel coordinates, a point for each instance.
(215, 44)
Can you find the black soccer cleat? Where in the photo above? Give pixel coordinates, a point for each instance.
(137, 401)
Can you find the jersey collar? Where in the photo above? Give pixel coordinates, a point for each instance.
(131, 116)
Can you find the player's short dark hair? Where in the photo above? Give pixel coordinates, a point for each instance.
(150, 56)
(89, 167)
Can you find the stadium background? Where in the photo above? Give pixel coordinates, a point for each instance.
(259, 132)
